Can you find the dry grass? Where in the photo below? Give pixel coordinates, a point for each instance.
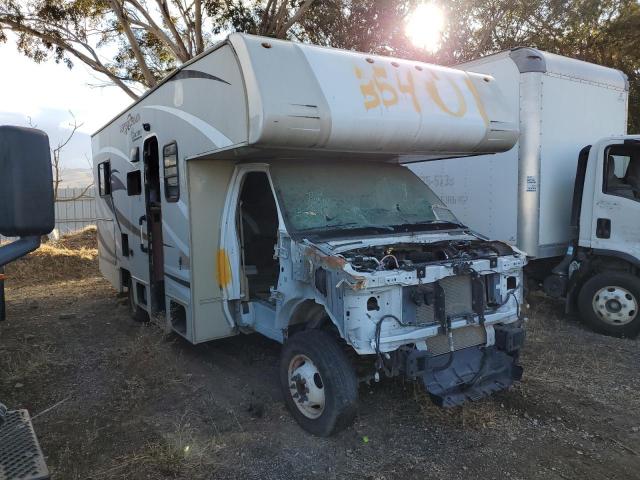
(25, 359)
(473, 416)
(179, 454)
(73, 256)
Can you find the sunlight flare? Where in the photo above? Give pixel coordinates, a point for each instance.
(425, 25)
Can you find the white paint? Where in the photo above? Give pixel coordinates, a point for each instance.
(208, 130)
(113, 151)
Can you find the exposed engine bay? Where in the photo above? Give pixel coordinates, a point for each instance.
(446, 312)
(409, 256)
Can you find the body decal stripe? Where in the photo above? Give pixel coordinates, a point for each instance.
(179, 280)
(216, 136)
(107, 249)
(186, 74)
(114, 151)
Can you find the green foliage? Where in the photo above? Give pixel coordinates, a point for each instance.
(606, 32)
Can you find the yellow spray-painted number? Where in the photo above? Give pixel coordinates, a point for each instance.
(377, 90)
(432, 88)
(224, 268)
(409, 88)
(369, 92)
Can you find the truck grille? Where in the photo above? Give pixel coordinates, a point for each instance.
(463, 337)
(457, 295)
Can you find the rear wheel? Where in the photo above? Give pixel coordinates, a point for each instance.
(609, 303)
(137, 313)
(318, 382)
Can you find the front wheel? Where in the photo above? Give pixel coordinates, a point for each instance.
(318, 382)
(609, 303)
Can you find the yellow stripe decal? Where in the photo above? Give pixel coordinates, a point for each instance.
(224, 268)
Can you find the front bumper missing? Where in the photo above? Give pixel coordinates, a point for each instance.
(469, 374)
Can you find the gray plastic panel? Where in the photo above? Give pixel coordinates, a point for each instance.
(528, 60)
(26, 183)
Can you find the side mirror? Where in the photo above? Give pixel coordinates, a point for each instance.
(26, 183)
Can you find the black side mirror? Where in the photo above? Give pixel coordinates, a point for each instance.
(26, 183)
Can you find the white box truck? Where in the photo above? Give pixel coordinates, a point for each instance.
(258, 188)
(568, 188)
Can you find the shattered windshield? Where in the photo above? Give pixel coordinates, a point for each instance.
(347, 195)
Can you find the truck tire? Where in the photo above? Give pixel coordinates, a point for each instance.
(137, 313)
(609, 303)
(318, 382)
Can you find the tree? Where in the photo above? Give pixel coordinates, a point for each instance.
(56, 162)
(605, 32)
(374, 26)
(149, 38)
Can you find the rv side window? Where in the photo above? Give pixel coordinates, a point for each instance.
(104, 178)
(171, 184)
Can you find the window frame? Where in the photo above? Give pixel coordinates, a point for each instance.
(167, 197)
(134, 176)
(605, 172)
(104, 181)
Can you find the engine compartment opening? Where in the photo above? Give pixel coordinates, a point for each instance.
(407, 256)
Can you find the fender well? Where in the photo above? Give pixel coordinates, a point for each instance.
(307, 315)
(625, 257)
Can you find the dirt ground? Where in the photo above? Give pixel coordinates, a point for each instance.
(129, 403)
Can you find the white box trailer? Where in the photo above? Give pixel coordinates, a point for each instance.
(571, 185)
(258, 188)
(524, 196)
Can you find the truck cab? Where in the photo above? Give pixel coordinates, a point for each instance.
(600, 272)
(366, 260)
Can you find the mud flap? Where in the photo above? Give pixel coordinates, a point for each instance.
(468, 375)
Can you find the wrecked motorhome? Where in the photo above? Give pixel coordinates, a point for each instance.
(260, 188)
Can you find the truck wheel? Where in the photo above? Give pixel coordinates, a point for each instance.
(609, 303)
(138, 313)
(318, 382)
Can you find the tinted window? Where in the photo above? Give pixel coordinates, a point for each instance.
(171, 183)
(622, 171)
(134, 183)
(104, 178)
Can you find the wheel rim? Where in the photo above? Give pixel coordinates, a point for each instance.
(615, 305)
(306, 386)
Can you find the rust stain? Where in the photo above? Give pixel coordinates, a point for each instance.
(331, 262)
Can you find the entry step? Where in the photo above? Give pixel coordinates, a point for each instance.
(20, 455)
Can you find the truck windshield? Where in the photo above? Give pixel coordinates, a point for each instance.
(343, 196)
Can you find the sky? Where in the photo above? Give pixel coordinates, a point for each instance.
(46, 93)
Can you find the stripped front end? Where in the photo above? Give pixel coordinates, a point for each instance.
(444, 312)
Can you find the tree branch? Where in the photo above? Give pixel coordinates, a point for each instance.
(51, 39)
(164, 10)
(133, 42)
